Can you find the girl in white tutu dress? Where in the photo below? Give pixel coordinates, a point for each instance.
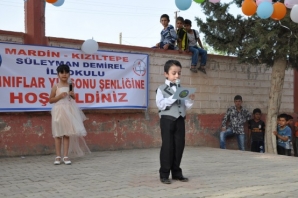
(67, 119)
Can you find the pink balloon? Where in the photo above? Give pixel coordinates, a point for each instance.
(290, 3)
(260, 1)
(214, 1)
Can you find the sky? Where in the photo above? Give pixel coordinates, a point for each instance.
(138, 21)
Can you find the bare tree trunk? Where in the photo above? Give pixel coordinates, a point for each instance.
(277, 82)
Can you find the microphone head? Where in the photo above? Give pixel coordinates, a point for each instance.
(177, 81)
(70, 84)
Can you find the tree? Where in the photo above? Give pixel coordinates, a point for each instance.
(210, 49)
(254, 41)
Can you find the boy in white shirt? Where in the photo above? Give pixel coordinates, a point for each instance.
(193, 39)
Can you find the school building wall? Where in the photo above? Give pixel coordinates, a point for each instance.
(29, 133)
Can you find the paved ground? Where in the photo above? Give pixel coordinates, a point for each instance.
(134, 173)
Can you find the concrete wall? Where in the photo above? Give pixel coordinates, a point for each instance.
(30, 133)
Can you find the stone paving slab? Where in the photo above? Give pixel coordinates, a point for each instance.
(212, 173)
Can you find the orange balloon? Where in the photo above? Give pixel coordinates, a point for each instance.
(249, 7)
(51, 1)
(279, 11)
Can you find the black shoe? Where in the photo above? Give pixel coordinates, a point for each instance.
(165, 181)
(182, 179)
(202, 70)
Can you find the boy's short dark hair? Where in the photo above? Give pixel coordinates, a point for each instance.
(290, 117)
(170, 63)
(237, 97)
(165, 16)
(187, 22)
(63, 68)
(180, 19)
(257, 110)
(283, 115)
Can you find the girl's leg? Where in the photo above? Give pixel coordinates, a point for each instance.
(58, 146)
(65, 150)
(65, 145)
(58, 150)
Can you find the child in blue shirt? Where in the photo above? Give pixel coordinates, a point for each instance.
(283, 135)
(168, 34)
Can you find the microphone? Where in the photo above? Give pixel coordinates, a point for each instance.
(178, 85)
(70, 86)
(177, 82)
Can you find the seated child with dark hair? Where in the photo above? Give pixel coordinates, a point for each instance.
(182, 40)
(193, 41)
(168, 34)
(256, 132)
(283, 135)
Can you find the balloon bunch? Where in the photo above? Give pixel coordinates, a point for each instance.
(185, 4)
(56, 3)
(265, 9)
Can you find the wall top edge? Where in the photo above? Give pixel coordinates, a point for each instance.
(11, 33)
(130, 47)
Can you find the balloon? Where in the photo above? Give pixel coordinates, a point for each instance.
(199, 1)
(260, 1)
(214, 1)
(183, 4)
(294, 13)
(279, 11)
(265, 10)
(249, 7)
(90, 46)
(51, 1)
(59, 3)
(290, 3)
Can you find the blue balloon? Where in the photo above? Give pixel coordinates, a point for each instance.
(183, 4)
(265, 10)
(58, 3)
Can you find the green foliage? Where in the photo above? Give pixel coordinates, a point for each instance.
(251, 39)
(210, 49)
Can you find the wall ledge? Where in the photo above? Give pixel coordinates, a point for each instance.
(10, 33)
(133, 48)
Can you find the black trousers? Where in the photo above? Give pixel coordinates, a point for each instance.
(255, 146)
(173, 142)
(283, 151)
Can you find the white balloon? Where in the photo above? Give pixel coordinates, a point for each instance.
(294, 13)
(290, 3)
(214, 1)
(90, 46)
(260, 1)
